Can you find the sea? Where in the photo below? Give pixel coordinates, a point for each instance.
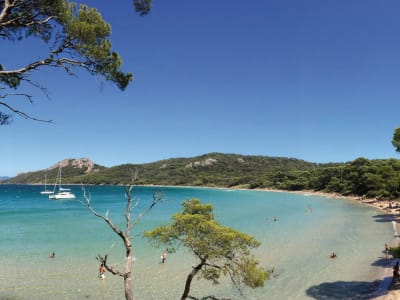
(298, 233)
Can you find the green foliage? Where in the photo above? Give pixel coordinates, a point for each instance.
(219, 249)
(76, 37)
(143, 7)
(396, 139)
(78, 32)
(89, 35)
(11, 81)
(361, 177)
(24, 18)
(4, 118)
(395, 251)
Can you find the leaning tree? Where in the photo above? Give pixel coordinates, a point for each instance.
(75, 36)
(219, 250)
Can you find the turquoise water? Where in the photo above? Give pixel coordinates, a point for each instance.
(297, 245)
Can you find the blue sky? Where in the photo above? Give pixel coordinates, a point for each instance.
(314, 80)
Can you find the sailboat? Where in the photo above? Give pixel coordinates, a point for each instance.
(62, 193)
(46, 191)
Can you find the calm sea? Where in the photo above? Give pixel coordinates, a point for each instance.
(308, 229)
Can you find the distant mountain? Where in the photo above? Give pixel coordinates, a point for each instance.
(377, 178)
(4, 178)
(213, 169)
(71, 168)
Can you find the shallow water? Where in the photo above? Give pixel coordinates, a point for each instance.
(308, 229)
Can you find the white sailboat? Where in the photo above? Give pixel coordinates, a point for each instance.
(46, 191)
(62, 193)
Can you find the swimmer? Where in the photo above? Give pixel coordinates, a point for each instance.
(164, 257)
(102, 270)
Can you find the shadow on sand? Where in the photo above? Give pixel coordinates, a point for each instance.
(384, 218)
(347, 290)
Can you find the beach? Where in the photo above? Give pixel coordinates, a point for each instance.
(393, 289)
(388, 290)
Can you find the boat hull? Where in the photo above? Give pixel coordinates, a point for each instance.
(63, 195)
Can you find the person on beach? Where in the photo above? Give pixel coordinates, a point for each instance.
(387, 249)
(102, 270)
(53, 255)
(396, 269)
(164, 257)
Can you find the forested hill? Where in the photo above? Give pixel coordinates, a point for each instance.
(71, 168)
(362, 177)
(215, 169)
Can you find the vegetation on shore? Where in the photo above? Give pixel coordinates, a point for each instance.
(362, 177)
(395, 251)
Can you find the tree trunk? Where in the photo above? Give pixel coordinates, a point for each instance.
(128, 269)
(190, 278)
(128, 287)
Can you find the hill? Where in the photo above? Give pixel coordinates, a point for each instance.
(71, 168)
(362, 177)
(215, 169)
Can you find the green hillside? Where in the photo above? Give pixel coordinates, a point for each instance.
(214, 169)
(361, 177)
(70, 171)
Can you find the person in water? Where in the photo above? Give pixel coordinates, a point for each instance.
(333, 255)
(387, 249)
(164, 257)
(53, 255)
(102, 270)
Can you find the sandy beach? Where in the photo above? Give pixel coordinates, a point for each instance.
(386, 290)
(391, 290)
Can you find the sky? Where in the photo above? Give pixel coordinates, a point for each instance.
(313, 80)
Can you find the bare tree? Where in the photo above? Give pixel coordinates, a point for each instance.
(125, 235)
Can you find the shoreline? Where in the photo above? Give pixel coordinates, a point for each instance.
(386, 290)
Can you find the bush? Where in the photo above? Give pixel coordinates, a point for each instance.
(395, 251)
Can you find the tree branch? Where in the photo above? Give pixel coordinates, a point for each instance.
(6, 9)
(51, 62)
(105, 218)
(128, 209)
(18, 112)
(157, 198)
(110, 269)
(125, 236)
